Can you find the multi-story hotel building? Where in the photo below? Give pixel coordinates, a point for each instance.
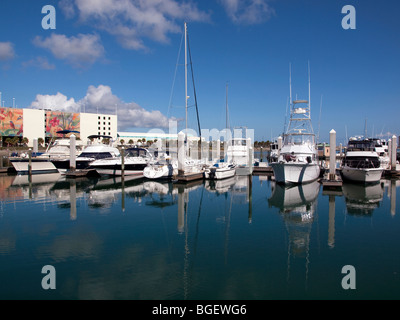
(34, 124)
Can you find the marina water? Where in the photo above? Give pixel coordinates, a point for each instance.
(240, 238)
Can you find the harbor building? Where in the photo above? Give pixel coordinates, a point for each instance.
(40, 123)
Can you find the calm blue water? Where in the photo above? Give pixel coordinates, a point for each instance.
(242, 238)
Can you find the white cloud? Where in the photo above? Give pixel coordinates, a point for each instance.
(132, 20)
(39, 62)
(101, 99)
(248, 11)
(6, 51)
(55, 102)
(80, 51)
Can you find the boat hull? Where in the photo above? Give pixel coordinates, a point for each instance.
(295, 173)
(37, 167)
(160, 172)
(370, 175)
(116, 169)
(219, 174)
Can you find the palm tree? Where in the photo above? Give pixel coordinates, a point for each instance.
(25, 141)
(8, 141)
(40, 141)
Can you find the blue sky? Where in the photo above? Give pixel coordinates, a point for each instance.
(121, 56)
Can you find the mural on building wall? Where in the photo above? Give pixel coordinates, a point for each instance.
(11, 122)
(58, 121)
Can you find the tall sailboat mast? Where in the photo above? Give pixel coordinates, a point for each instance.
(227, 111)
(309, 90)
(186, 87)
(290, 85)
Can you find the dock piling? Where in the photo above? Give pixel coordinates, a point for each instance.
(393, 153)
(72, 155)
(332, 155)
(332, 180)
(181, 153)
(30, 162)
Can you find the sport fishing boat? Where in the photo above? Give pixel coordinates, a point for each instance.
(298, 158)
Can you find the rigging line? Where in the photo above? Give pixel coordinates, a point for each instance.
(176, 70)
(194, 88)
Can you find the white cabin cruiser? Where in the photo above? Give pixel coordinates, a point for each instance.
(361, 162)
(135, 160)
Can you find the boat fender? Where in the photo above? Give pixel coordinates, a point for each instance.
(309, 160)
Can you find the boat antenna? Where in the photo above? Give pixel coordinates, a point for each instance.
(286, 115)
(365, 129)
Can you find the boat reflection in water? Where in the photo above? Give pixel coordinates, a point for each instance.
(297, 204)
(362, 199)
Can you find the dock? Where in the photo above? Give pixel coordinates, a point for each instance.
(262, 170)
(6, 169)
(185, 177)
(332, 183)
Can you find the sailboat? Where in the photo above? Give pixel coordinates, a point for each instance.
(298, 158)
(222, 169)
(168, 168)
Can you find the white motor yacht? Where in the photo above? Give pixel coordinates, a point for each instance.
(361, 162)
(135, 160)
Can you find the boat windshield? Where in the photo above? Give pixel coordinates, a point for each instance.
(58, 149)
(361, 145)
(239, 142)
(361, 162)
(95, 155)
(136, 153)
(299, 139)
